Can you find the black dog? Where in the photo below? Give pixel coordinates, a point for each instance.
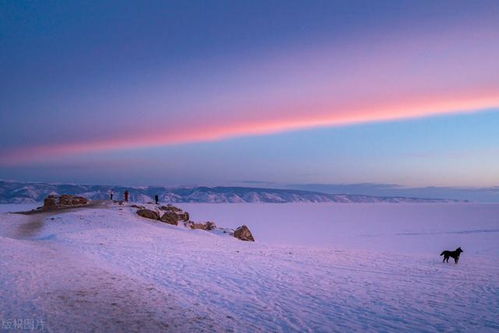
(454, 254)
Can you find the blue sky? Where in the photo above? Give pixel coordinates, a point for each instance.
(226, 92)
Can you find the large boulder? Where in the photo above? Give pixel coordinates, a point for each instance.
(181, 215)
(170, 218)
(243, 233)
(64, 201)
(148, 214)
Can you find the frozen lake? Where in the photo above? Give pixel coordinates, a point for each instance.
(402, 228)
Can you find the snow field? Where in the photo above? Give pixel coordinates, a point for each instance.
(108, 269)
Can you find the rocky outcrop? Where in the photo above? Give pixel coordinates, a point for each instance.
(148, 214)
(174, 215)
(243, 233)
(64, 201)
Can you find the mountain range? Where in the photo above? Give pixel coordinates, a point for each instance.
(19, 192)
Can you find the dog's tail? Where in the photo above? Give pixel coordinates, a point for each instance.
(442, 253)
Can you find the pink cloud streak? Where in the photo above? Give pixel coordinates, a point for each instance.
(290, 119)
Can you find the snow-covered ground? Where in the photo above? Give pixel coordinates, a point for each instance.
(314, 267)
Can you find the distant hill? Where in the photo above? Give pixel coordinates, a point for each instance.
(17, 192)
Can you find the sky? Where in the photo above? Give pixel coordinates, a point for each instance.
(250, 92)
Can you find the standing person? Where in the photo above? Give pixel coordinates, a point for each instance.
(156, 198)
(126, 195)
(111, 195)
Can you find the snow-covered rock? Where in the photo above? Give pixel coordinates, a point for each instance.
(243, 233)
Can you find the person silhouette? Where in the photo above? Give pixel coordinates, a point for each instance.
(126, 195)
(156, 198)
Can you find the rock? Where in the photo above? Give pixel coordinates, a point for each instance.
(64, 201)
(72, 200)
(210, 225)
(202, 226)
(138, 206)
(183, 216)
(148, 214)
(50, 202)
(170, 218)
(243, 233)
